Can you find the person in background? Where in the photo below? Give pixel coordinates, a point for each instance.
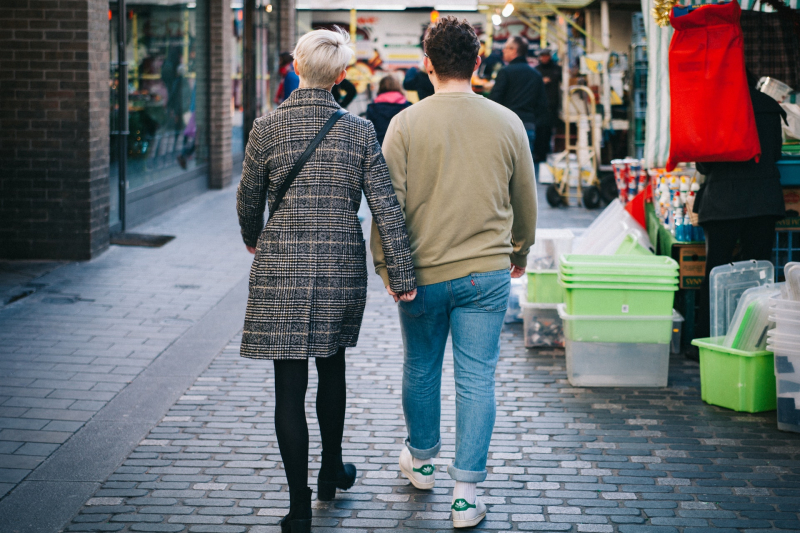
(462, 169)
(308, 282)
(418, 80)
(520, 87)
(740, 202)
(389, 102)
(491, 62)
(551, 76)
(289, 80)
(344, 92)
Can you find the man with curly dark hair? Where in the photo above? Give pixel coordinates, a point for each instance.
(462, 170)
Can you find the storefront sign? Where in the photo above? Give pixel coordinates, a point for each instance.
(692, 260)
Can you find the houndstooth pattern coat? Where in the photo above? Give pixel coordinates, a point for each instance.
(308, 282)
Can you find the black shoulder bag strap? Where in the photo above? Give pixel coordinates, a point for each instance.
(298, 166)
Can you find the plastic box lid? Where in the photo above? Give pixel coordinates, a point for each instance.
(747, 330)
(562, 312)
(550, 245)
(727, 285)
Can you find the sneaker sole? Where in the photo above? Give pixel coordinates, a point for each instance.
(469, 523)
(421, 486)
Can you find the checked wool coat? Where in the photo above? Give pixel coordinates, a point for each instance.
(308, 282)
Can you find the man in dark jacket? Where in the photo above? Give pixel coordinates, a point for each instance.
(418, 80)
(551, 75)
(741, 201)
(520, 88)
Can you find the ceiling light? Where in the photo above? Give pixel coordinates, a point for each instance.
(496, 20)
(508, 9)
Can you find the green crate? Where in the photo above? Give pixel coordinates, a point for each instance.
(619, 299)
(630, 246)
(543, 287)
(610, 278)
(642, 265)
(736, 379)
(630, 329)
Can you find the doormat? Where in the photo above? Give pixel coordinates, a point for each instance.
(140, 239)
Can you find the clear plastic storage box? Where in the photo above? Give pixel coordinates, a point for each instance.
(541, 325)
(727, 283)
(611, 364)
(550, 245)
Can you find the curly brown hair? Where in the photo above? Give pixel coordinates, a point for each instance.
(452, 47)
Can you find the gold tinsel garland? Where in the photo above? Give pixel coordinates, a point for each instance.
(660, 11)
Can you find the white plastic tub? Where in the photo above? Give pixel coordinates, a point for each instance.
(787, 376)
(541, 325)
(610, 364)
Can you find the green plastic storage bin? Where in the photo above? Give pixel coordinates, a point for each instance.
(630, 246)
(736, 379)
(619, 299)
(610, 278)
(630, 329)
(642, 265)
(543, 287)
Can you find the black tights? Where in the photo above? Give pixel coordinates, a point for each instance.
(291, 382)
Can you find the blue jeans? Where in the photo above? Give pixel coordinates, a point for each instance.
(472, 308)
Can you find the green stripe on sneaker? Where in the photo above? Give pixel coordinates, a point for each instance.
(425, 470)
(461, 505)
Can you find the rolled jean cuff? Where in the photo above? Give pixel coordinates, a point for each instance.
(467, 476)
(430, 453)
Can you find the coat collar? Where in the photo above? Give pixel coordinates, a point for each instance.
(310, 97)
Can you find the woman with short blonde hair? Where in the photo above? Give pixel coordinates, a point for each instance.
(308, 162)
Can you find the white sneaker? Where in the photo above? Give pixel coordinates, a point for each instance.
(422, 477)
(466, 514)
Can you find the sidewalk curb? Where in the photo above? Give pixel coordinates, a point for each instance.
(53, 493)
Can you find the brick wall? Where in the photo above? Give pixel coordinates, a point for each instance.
(54, 199)
(288, 24)
(220, 172)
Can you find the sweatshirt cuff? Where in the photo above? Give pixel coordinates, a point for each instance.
(519, 260)
(384, 274)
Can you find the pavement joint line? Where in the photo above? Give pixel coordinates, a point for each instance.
(109, 437)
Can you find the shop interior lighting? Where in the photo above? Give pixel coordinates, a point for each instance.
(269, 8)
(508, 9)
(496, 20)
(464, 7)
(191, 5)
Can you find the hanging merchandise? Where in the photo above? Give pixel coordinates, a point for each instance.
(711, 112)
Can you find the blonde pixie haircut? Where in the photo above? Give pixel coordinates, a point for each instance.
(321, 56)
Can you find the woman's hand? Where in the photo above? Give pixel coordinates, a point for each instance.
(405, 296)
(251, 250)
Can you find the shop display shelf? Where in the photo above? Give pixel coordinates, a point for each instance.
(618, 329)
(619, 299)
(541, 325)
(736, 379)
(611, 364)
(543, 287)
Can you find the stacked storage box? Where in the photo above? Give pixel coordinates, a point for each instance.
(542, 325)
(736, 368)
(784, 340)
(618, 318)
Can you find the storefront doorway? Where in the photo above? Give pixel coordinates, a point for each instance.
(158, 84)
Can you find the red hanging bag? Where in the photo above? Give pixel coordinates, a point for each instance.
(711, 112)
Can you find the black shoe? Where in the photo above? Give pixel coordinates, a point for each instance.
(693, 354)
(299, 518)
(334, 475)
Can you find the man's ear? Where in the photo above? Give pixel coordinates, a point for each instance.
(296, 70)
(478, 62)
(341, 77)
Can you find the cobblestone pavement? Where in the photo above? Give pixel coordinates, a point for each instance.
(561, 459)
(87, 330)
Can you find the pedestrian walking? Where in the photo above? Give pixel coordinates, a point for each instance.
(551, 76)
(389, 101)
(462, 169)
(520, 87)
(289, 79)
(308, 282)
(740, 202)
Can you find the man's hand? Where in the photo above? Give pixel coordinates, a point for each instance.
(546, 79)
(251, 249)
(405, 296)
(517, 272)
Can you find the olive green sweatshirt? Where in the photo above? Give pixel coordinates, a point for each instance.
(462, 169)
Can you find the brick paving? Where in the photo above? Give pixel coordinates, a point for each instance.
(86, 330)
(561, 459)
